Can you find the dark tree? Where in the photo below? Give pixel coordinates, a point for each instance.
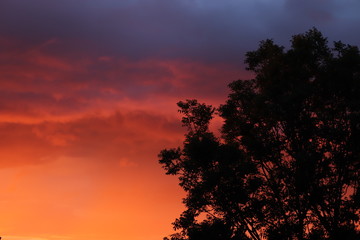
(287, 164)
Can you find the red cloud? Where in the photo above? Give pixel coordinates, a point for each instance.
(38, 85)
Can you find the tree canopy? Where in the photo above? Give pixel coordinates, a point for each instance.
(287, 163)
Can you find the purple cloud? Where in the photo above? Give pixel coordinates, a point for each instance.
(201, 30)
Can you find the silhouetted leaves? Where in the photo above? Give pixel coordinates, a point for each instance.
(287, 164)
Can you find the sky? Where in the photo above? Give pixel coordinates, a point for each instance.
(88, 93)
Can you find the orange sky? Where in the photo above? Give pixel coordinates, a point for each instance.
(80, 138)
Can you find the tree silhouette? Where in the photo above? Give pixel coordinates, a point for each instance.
(287, 164)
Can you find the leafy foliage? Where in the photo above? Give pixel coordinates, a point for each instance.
(287, 164)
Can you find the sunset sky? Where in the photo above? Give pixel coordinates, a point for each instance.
(88, 92)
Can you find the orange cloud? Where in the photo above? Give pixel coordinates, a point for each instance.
(120, 135)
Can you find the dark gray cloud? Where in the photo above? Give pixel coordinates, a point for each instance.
(196, 29)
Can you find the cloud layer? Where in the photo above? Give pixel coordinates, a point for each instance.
(196, 29)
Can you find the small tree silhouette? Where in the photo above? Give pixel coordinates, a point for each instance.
(287, 164)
